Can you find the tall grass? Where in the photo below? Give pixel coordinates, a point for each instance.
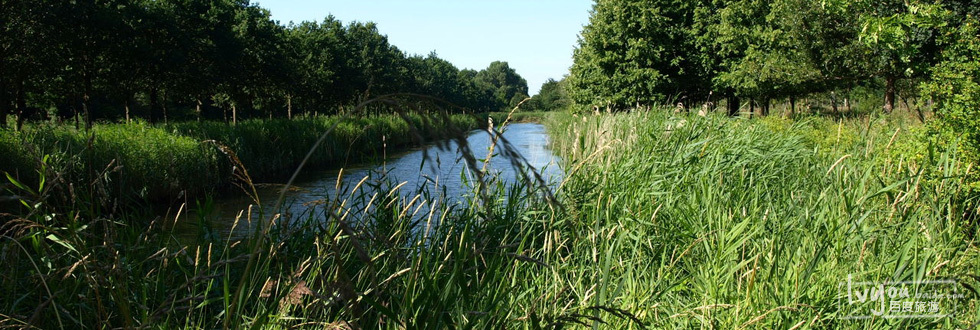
(728, 223)
(519, 116)
(364, 258)
(666, 222)
(140, 161)
(165, 162)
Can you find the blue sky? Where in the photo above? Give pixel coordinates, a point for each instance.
(535, 36)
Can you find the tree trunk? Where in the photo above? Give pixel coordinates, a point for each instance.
(889, 94)
(74, 108)
(792, 105)
(126, 105)
(833, 101)
(289, 106)
(4, 106)
(234, 114)
(154, 103)
(87, 112)
(751, 107)
(3, 113)
(85, 102)
(21, 106)
(733, 105)
(163, 106)
(197, 108)
(765, 106)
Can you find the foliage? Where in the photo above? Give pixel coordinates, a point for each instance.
(552, 96)
(509, 88)
(696, 222)
(225, 59)
(636, 53)
(161, 162)
(955, 86)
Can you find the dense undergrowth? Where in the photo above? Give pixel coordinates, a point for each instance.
(732, 223)
(159, 162)
(666, 221)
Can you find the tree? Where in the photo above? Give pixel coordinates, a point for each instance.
(478, 94)
(761, 56)
(176, 59)
(509, 87)
(551, 97)
(899, 38)
(636, 52)
(955, 86)
(23, 59)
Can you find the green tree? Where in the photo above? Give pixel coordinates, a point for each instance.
(478, 94)
(26, 54)
(509, 87)
(955, 86)
(899, 38)
(761, 57)
(635, 53)
(551, 97)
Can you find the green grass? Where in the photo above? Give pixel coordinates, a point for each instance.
(163, 162)
(666, 222)
(520, 116)
(141, 161)
(386, 267)
(730, 223)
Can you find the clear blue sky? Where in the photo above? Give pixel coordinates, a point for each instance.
(535, 36)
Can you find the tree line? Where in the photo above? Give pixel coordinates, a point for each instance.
(636, 53)
(163, 60)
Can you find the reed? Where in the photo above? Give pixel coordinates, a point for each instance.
(665, 221)
(165, 162)
(731, 223)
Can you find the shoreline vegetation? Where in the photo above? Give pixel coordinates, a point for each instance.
(665, 220)
(163, 162)
(159, 163)
(727, 165)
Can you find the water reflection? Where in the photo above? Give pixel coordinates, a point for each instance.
(438, 173)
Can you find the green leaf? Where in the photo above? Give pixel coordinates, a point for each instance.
(61, 242)
(18, 184)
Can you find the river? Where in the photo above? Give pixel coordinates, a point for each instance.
(436, 170)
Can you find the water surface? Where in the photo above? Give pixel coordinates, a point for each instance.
(437, 170)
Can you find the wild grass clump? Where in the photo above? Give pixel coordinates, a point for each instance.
(272, 148)
(665, 221)
(727, 223)
(520, 116)
(369, 257)
(140, 160)
(167, 162)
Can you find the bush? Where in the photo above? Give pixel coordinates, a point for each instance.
(158, 162)
(955, 87)
(138, 159)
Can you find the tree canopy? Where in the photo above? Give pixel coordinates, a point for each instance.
(643, 52)
(225, 59)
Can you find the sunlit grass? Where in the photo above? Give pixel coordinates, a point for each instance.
(666, 221)
(728, 223)
(163, 162)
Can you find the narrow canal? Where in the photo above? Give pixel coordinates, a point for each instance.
(437, 172)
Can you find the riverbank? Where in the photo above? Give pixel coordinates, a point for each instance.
(520, 116)
(666, 221)
(163, 162)
(691, 222)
